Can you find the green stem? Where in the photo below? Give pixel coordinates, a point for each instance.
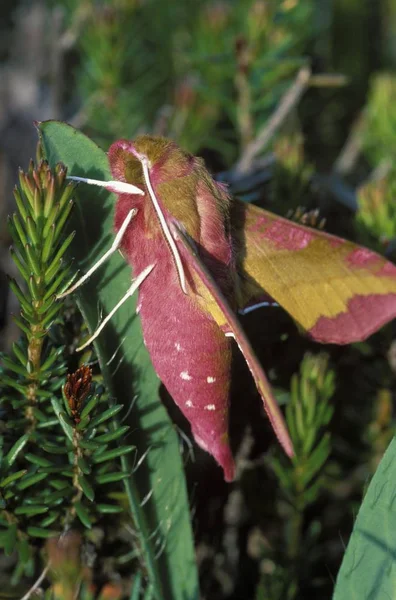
(294, 541)
(141, 523)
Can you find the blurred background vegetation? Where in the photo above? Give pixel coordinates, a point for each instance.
(293, 104)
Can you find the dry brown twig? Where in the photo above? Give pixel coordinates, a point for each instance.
(287, 103)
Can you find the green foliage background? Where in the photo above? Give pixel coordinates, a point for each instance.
(210, 74)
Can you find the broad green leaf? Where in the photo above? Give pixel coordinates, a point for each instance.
(128, 372)
(368, 569)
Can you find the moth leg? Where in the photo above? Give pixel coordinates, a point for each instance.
(135, 285)
(252, 307)
(114, 247)
(118, 187)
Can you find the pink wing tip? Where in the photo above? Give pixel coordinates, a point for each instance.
(281, 433)
(229, 473)
(287, 445)
(363, 316)
(226, 461)
(221, 451)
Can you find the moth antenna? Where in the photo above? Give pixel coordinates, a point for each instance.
(146, 498)
(140, 461)
(116, 351)
(161, 549)
(114, 247)
(185, 441)
(135, 285)
(119, 187)
(164, 225)
(130, 408)
(156, 530)
(120, 362)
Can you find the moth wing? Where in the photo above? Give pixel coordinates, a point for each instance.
(337, 291)
(213, 301)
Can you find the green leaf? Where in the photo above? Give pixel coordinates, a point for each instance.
(64, 216)
(54, 266)
(40, 532)
(22, 268)
(112, 435)
(31, 510)
(48, 242)
(367, 570)
(83, 424)
(63, 420)
(22, 209)
(83, 465)
(88, 445)
(49, 519)
(112, 454)
(52, 449)
(10, 539)
(111, 477)
(31, 480)
(54, 287)
(109, 508)
(24, 550)
(32, 230)
(27, 307)
(86, 488)
(105, 416)
(16, 448)
(162, 471)
(48, 424)
(51, 358)
(13, 477)
(89, 406)
(12, 366)
(316, 460)
(33, 259)
(19, 353)
(83, 515)
(59, 496)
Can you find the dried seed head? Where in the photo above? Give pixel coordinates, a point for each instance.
(310, 218)
(76, 389)
(65, 557)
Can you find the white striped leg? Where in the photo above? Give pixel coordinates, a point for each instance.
(114, 247)
(135, 285)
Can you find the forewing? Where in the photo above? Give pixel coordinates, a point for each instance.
(337, 291)
(212, 301)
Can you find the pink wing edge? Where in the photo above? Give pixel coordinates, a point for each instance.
(235, 330)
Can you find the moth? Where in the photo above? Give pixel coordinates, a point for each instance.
(199, 257)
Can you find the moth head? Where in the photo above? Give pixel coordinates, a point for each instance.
(138, 166)
(165, 160)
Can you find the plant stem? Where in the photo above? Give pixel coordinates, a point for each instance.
(140, 523)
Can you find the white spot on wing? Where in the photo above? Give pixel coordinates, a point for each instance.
(210, 407)
(139, 306)
(185, 375)
(211, 379)
(189, 404)
(177, 346)
(229, 334)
